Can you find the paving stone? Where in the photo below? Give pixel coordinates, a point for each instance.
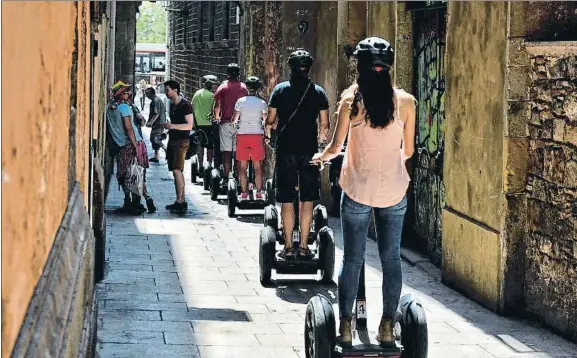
(122, 295)
(117, 266)
(134, 337)
(196, 299)
(285, 318)
(113, 350)
(142, 289)
(152, 326)
(207, 314)
(250, 308)
(246, 352)
(235, 327)
(212, 339)
(280, 340)
(129, 314)
(144, 305)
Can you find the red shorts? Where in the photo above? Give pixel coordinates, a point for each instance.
(250, 146)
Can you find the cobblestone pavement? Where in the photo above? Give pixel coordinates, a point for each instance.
(188, 287)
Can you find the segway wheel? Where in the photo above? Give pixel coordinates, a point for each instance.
(414, 336)
(194, 169)
(271, 217)
(231, 194)
(206, 176)
(266, 254)
(327, 253)
(320, 328)
(270, 197)
(320, 218)
(214, 184)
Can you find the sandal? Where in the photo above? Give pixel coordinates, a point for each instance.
(304, 252)
(287, 253)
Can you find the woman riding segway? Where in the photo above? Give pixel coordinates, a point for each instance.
(249, 115)
(379, 120)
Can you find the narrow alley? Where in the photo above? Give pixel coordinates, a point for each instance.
(476, 180)
(189, 287)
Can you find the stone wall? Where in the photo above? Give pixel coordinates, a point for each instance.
(124, 54)
(551, 239)
(203, 40)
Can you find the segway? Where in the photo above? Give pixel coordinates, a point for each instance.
(321, 243)
(320, 329)
(191, 153)
(251, 202)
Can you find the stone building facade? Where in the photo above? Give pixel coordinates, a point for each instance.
(492, 197)
(203, 39)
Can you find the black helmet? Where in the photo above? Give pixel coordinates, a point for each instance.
(253, 83)
(233, 70)
(375, 51)
(209, 80)
(300, 58)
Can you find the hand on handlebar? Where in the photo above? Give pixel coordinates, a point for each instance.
(317, 160)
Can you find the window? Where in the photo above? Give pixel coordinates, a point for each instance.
(225, 20)
(158, 62)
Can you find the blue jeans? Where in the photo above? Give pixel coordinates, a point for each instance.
(355, 225)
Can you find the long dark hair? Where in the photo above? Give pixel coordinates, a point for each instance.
(376, 93)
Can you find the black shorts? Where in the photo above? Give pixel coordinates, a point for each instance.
(206, 136)
(294, 170)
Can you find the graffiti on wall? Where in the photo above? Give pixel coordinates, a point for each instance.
(430, 92)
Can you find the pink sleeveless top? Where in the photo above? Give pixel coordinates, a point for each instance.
(373, 171)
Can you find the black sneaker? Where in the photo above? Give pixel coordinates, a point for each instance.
(150, 205)
(153, 160)
(180, 209)
(171, 206)
(124, 209)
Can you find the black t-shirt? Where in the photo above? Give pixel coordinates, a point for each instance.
(177, 114)
(300, 135)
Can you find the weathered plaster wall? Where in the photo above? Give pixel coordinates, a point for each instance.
(473, 167)
(325, 72)
(38, 158)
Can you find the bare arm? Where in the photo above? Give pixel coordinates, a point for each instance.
(324, 125)
(189, 118)
(217, 110)
(270, 121)
(235, 117)
(127, 121)
(341, 131)
(152, 119)
(409, 132)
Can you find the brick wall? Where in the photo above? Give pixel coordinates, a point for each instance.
(551, 240)
(203, 39)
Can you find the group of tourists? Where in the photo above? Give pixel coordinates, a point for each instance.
(234, 122)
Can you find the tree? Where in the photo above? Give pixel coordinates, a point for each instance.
(151, 25)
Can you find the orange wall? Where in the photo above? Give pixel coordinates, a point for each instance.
(38, 40)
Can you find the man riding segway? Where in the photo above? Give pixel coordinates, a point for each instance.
(297, 104)
(202, 103)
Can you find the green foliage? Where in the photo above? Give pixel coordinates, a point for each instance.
(151, 26)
